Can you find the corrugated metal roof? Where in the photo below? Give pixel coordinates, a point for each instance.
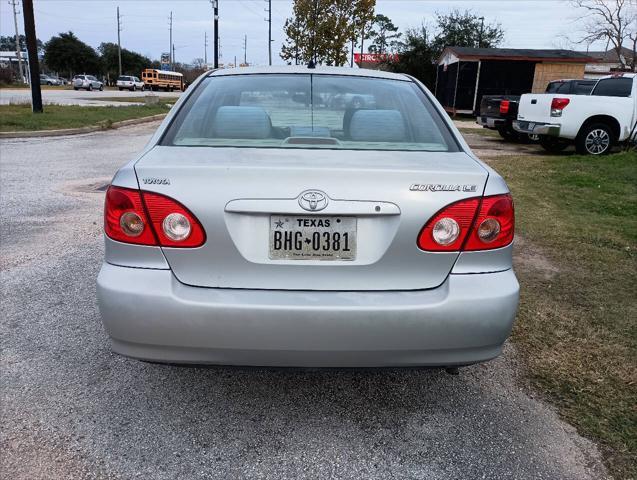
(521, 53)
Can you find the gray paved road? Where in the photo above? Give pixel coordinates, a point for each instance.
(71, 97)
(72, 409)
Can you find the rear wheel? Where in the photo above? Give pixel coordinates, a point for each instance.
(134, 88)
(75, 88)
(553, 144)
(120, 89)
(595, 139)
(101, 88)
(533, 138)
(90, 87)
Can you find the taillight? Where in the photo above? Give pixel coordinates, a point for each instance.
(469, 225)
(494, 226)
(173, 223)
(125, 219)
(504, 107)
(146, 218)
(461, 213)
(557, 105)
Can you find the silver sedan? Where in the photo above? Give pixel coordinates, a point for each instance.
(262, 225)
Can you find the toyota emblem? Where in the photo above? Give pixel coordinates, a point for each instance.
(313, 200)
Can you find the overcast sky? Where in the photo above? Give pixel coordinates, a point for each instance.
(527, 24)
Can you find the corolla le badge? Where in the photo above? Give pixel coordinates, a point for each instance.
(430, 187)
(313, 200)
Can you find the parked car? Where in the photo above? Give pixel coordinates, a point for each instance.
(267, 232)
(87, 82)
(594, 123)
(498, 112)
(48, 80)
(129, 83)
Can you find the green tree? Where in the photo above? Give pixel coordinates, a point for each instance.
(384, 35)
(132, 62)
(465, 29)
(8, 43)
(322, 29)
(416, 57)
(67, 54)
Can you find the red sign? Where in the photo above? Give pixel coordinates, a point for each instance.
(376, 57)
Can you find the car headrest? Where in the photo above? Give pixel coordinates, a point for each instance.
(377, 126)
(242, 122)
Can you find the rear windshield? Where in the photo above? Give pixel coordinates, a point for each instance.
(614, 87)
(125, 79)
(310, 111)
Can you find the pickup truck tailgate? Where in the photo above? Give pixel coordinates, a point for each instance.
(535, 107)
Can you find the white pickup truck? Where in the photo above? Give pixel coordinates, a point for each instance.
(593, 122)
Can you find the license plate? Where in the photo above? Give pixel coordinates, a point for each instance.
(312, 238)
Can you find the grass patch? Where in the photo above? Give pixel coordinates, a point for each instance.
(485, 132)
(577, 266)
(15, 118)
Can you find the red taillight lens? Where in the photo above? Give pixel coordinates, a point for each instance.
(461, 213)
(125, 219)
(173, 223)
(495, 224)
(559, 103)
(490, 227)
(146, 218)
(504, 106)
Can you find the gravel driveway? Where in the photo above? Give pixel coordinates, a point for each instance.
(72, 409)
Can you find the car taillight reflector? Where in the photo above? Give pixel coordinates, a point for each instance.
(148, 218)
(484, 224)
(504, 107)
(557, 105)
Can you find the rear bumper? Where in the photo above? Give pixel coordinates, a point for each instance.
(490, 122)
(150, 315)
(550, 129)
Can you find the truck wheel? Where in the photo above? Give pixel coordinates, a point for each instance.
(508, 133)
(553, 144)
(595, 139)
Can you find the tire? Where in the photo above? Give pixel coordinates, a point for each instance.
(120, 89)
(90, 87)
(595, 139)
(533, 138)
(49, 84)
(508, 134)
(101, 88)
(75, 88)
(143, 88)
(553, 144)
(134, 88)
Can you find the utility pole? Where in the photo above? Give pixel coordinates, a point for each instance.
(215, 11)
(270, 32)
(170, 48)
(481, 30)
(205, 48)
(18, 50)
(32, 51)
(245, 49)
(119, 42)
(173, 61)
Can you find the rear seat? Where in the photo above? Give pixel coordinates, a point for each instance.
(377, 126)
(242, 122)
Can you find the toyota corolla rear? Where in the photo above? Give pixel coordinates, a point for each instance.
(267, 224)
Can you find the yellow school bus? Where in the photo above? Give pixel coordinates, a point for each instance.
(162, 79)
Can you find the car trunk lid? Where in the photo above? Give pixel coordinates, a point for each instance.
(238, 194)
